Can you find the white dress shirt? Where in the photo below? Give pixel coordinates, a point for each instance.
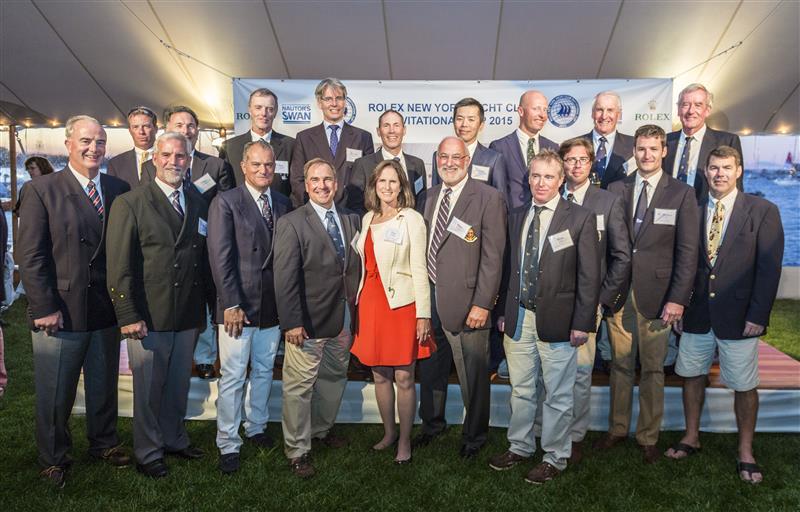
(326, 125)
(168, 191)
(388, 156)
(84, 181)
(545, 217)
(727, 202)
(256, 195)
(471, 148)
(652, 181)
(694, 155)
(523, 143)
(321, 212)
(454, 195)
(579, 194)
(266, 137)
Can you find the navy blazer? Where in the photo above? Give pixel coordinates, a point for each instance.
(363, 169)
(712, 140)
(621, 152)
(742, 284)
(664, 256)
(61, 250)
(485, 157)
(240, 249)
(232, 151)
(569, 280)
(518, 191)
(202, 164)
(313, 143)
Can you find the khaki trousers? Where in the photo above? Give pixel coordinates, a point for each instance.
(631, 333)
(314, 378)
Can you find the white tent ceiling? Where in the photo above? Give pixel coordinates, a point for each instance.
(64, 57)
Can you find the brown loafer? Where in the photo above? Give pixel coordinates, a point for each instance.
(577, 453)
(55, 475)
(608, 441)
(543, 472)
(114, 456)
(505, 460)
(301, 467)
(651, 453)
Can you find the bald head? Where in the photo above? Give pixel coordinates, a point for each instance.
(532, 112)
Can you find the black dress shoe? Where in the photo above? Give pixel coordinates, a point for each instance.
(190, 452)
(469, 452)
(422, 439)
(153, 469)
(229, 463)
(205, 371)
(262, 440)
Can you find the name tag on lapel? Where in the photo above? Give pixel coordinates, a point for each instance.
(601, 222)
(281, 167)
(629, 166)
(665, 216)
(393, 234)
(205, 183)
(418, 185)
(560, 240)
(480, 172)
(462, 230)
(353, 154)
(202, 227)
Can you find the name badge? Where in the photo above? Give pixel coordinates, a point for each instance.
(202, 227)
(462, 230)
(560, 241)
(601, 222)
(281, 167)
(393, 234)
(665, 216)
(480, 172)
(418, 185)
(629, 166)
(354, 241)
(205, 183)
(353, 154)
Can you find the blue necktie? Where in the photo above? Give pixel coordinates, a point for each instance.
(336, 236)
(683, 167)
(334, 139)
(600, 159)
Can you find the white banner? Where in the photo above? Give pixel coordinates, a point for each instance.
(427, 106)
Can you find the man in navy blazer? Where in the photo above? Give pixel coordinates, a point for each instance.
(486, 165)
(662, 220)
(391, 130)
(738, 272)
(62, 260)
(241, 223)
(612, 149)
(127, 166)
(333, 140)
(686, 163)
(262, 107)
(519, 147)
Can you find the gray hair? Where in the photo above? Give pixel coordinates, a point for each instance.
(329, 82)
(261, 143)
(608, 93)
(173, 136)
(696, 87)
(72, 121)
(548, 156)
(262, 91)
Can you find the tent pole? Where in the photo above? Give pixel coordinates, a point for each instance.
(12, 152)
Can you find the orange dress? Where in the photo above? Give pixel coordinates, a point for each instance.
(385, 336)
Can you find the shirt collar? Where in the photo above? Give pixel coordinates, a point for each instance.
(256, 194)
(698, 136)
(579, 193)
(609, 138)
(321, 211)
(388, 156)
(254, 136)
(550, 205)
(524, 137)
(340, 124)
(726, 201)
(167, 190)
(471, 148)
(83, 180)
(458, 187)
(652, 180)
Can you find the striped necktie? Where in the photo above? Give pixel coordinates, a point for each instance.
(438, 234)
(94, 197)
(176, 203)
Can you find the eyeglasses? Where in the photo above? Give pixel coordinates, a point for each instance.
(332, 99)
(445, 157)
(573, 160)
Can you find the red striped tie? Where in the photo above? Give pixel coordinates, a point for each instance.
(94, 197)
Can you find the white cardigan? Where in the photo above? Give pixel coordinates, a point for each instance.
(402, 267)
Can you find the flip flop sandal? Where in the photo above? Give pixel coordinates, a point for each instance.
(749, 467)
(687, 449)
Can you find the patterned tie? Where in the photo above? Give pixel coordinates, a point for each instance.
(144, 156)
(531, 151)
(336, 236)
(570, 197)
(176, 203)
(438, 234)
(683, 168)
(530, 262)
(641, 210)
(334, 139)
(600, 158)
(715, 233)
(266, 212)
(94, 197)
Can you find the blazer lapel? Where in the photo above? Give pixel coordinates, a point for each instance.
(736, 222)
(319, 228)
(516, 150)
(191, 217)
(703, 207)
(81, 201)
(345, 141)
(248, 209)
(321, 141)
(557, 224)
(198, 165)
(163, 209)
(660, 187)
(461, 206)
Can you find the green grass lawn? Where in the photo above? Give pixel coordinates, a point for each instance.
(354, 478)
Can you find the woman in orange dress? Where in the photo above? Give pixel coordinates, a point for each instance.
(393, 301)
